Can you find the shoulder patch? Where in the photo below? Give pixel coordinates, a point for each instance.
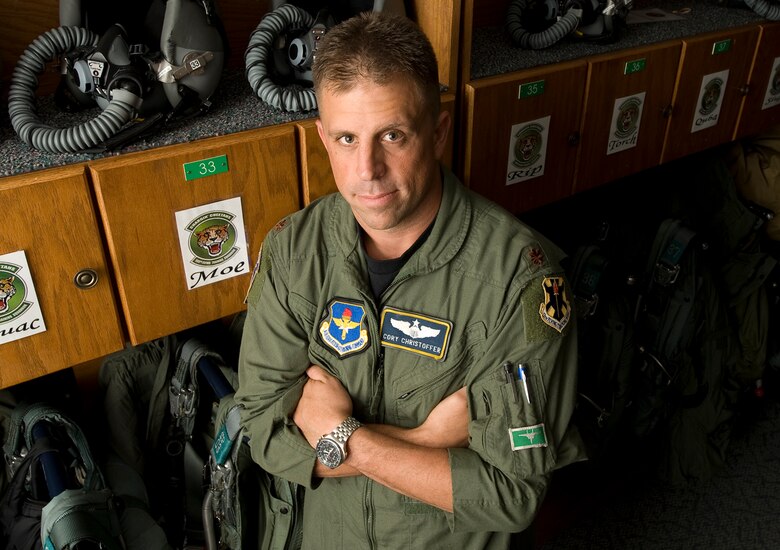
(555, 309)
(344, 329)
(546, 305)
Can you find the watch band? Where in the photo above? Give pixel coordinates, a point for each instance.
(345, 429)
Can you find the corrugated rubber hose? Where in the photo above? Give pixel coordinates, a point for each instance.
(522, 37)
(259, 55)
(21, 98)
(764, 9)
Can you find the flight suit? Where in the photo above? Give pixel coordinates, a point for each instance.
(482, 297)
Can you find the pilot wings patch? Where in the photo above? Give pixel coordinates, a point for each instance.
(420, 334)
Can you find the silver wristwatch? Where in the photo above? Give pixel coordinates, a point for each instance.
(332, 448)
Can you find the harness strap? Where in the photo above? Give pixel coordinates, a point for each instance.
(82, 516)
(669, 246)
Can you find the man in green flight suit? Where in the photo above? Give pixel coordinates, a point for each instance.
(409, 353)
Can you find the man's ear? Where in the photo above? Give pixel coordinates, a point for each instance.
(441, 132)
(320, 131)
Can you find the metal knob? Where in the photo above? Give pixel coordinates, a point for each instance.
(86, 278)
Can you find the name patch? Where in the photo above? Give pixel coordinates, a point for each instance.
(344, 330)
(416, 333)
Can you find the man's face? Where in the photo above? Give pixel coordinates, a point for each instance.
(384, 150)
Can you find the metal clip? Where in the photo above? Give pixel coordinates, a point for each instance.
(586, 306)
(663, 370)
(12, 462)
(666, 275)
(603, 413)
(222, 481)
(182, 402)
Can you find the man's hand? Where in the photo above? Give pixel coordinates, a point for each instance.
(324, 404)
(447, 425)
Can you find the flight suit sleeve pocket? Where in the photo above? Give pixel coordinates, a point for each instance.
(508, 427)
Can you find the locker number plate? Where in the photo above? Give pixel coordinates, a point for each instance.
(531, 89)
(206, 167)
(635, 66)
(721, 47)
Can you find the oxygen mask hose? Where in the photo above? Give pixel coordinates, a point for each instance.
(765, 9)
(121, 109)
(524, 38)
(260, 56)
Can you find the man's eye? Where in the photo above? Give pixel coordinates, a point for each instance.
(347, 140)
(392, 136)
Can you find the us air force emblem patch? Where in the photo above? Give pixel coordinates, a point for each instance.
(555, 310)
(344, 330)
(416, 333)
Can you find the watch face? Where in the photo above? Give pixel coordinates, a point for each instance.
(329, 453)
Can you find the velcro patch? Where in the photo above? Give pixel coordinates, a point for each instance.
(262, 266)
(528, 437)
(344, 330)
(416, 333)
(555, 309)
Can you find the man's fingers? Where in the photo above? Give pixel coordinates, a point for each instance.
(315, 372)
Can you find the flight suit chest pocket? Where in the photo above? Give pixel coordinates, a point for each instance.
(417, 384)
(509, 427)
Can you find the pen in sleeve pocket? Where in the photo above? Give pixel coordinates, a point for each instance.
(521, 372)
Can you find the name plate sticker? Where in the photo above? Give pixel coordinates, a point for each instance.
(772, 94)
(626, 118)
(635, 66)
(206, 167)
(213, 242)
(20, 312)
(713, 87)
(530, 89)
(527, 150)
(721, 46)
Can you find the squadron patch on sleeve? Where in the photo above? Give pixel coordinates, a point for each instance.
(344, 328)
(546, 306)
(555, 309)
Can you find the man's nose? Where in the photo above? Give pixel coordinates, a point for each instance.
(371, 164)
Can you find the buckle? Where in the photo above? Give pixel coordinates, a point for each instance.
(665, 275)
(12, 462)
(222, 482)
